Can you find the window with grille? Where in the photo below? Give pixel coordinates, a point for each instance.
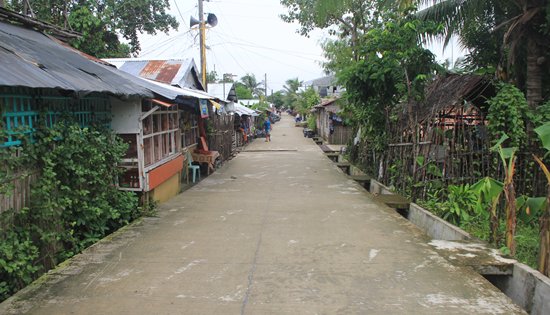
(21, 114)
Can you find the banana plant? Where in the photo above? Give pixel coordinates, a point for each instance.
(508, 158)
(489, 191)
(544, 251)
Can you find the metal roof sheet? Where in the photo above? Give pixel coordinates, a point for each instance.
(172, 92)
(170, 71)
(32, 59)
(223, 91)
(243, 110)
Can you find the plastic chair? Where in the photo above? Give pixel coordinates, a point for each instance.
(195, 168)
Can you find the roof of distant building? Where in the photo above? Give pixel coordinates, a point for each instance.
(179, 72)
(324, 81)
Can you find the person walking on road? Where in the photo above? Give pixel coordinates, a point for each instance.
(267, 128)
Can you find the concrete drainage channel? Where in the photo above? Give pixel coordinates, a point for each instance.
(527, 287)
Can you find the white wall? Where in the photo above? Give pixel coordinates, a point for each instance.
(125, 115)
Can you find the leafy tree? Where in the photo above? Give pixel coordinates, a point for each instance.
(306, 100)
(393, 68)
(101, 21)
(212, 76)
(277, 98)
(242, 91)
(346, 18)
(96, 40)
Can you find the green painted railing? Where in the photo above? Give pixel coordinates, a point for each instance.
(20, 113)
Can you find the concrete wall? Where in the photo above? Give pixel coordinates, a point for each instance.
(434, 226)
(378, 188)
(168, 189)
(353, 170)
(527, 287)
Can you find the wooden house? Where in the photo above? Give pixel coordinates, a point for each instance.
(159, 132)
(43, 78)
(330, 126)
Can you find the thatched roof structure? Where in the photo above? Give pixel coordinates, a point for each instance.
(448, 92)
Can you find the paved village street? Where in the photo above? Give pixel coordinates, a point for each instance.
(277, 230)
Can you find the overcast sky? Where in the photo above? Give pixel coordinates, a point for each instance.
(250, 38)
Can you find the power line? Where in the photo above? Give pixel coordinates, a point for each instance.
(178, 8)
(271, 48)
(162, 44)
(259, 47)
(280, 62)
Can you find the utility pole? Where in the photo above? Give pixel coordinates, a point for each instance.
(202, 28)
(265, 85)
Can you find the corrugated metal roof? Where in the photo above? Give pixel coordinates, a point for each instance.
(243, 110)
(324, 81)
(172, 92)
(170, 71)
(31, 59)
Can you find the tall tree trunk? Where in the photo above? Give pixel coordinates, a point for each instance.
(534, 73)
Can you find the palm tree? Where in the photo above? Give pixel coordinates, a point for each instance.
(520, 22)
(292, 85)
(291, 92)
(250, 82)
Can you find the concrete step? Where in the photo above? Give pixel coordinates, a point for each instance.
(479, 256)
(393, 201)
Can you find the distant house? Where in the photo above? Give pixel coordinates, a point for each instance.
(330, 126)
(325, 86)
(176, 72)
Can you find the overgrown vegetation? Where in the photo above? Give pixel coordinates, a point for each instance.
(75, 201)
(101, 23)
(446, 159)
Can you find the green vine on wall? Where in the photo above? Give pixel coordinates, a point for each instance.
(507, 114)
(75, 201)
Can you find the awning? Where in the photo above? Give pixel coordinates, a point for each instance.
(243, 110)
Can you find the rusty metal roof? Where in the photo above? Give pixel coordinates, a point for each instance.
(29, 58)
(178, 72)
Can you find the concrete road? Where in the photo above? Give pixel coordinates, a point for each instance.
(277, 230)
